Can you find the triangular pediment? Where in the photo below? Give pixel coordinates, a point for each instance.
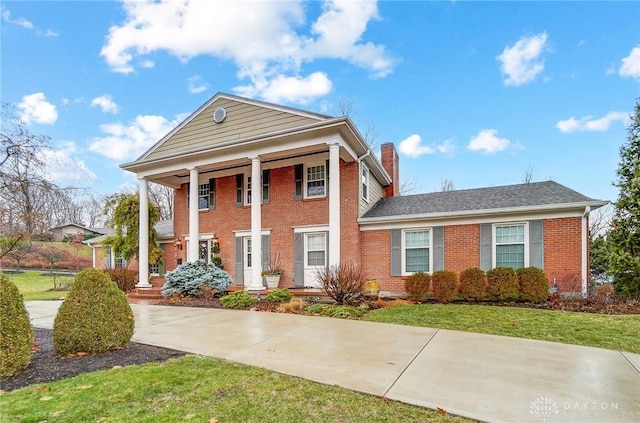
(244, 119)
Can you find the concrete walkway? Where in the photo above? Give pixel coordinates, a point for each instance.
(485, 377)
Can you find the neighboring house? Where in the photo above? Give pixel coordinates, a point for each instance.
(104, 257)
(254, 181)
(68, 230)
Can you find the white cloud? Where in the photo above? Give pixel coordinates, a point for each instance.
(196, 85)
(6, 16)
(268, 41)
(62, 166)
(447, 147)
(522, 62)
(589, 123)
(127, 142)
(488, 142)
(36, 109)
(294, 89)
(631, 64)
(412, 146)
(106, 103)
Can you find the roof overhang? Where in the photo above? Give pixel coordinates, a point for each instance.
(568, 209)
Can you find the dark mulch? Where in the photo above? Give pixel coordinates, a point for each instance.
(46, 366)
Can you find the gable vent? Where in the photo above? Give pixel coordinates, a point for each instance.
(219, 115)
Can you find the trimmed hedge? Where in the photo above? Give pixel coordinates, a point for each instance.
(417, 286)
(473, 283)
(238, 300)
(279, 295)
(502, 284)
(125, 279)
(94, 318)
(445, 286)
(16, 333)
(534, 284)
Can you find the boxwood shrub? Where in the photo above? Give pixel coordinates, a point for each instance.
(94, 318)
(417, 286)
(238, 300)
(16, 333)
(473, 284)
(279, 295)
(534, 284)
(445, 286)
(502, 284)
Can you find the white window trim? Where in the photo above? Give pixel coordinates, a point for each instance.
(305, 179)
(246, 190)
(306, 251)
(526, 241)
(365, 181)
(403, 250)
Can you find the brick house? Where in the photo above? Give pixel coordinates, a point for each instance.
(256, 181)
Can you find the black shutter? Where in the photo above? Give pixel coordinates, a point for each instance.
(266, 174)
(239, 189)
(212, 193)
(298, 181)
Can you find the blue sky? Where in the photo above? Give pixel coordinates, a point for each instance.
(474, 92)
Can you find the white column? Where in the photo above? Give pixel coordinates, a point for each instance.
(256, 227)
(334, 205)
(143, 238)
(194, 221)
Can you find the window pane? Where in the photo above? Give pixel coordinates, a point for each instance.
(416, 239)
(315, 188)
(510, 256)
(315, 258)
(509, 234)
(315, 181)
(315, 242)
(417, 260)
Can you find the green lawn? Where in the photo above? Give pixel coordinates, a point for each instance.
(33, 286)
(595, 330)
(200, 389)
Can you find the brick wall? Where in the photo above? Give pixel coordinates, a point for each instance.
(563, 252)
(280, 215)
(462, 247)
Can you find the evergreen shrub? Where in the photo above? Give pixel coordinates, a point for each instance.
(238, 300)
(189, 278)
(417, 286)
(16, 333)
(473, 284)
(445, 286)
(502, 284)
(279, 295)
(534, 284)
(94, 318)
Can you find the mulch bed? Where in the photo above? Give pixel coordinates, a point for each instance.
(46, 366)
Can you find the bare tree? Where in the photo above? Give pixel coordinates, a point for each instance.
(370, 133)
(408, 186)
(162, 197)
(600, 221)
(447, 185)
(528, 175)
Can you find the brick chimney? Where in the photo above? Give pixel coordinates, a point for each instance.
(391, 163)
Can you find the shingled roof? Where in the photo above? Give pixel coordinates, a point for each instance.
(532, 195)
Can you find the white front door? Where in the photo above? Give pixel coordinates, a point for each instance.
(315, 257)
(246, 259)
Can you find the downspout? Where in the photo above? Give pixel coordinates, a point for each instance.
(364, 156)
(585, 250)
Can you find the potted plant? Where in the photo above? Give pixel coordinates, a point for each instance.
(273, 272)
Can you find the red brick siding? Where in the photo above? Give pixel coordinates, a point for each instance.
(280, 216)
(563, 252)
(461, 247)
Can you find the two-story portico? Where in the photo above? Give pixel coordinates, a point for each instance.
(303, 208)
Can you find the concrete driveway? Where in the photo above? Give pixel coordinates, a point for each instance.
(485, 377)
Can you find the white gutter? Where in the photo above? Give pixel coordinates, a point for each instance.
(364, 156)
(585, 250)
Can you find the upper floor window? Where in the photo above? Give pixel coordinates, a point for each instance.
(510, 246)
(244, 188)
(364, 177)
(206, 195)
(315, 181)
(416, 251)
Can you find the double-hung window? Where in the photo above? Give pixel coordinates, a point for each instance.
(510, 245)
(315, 181)
(365, 182)
(416, 251)
(206, 195)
